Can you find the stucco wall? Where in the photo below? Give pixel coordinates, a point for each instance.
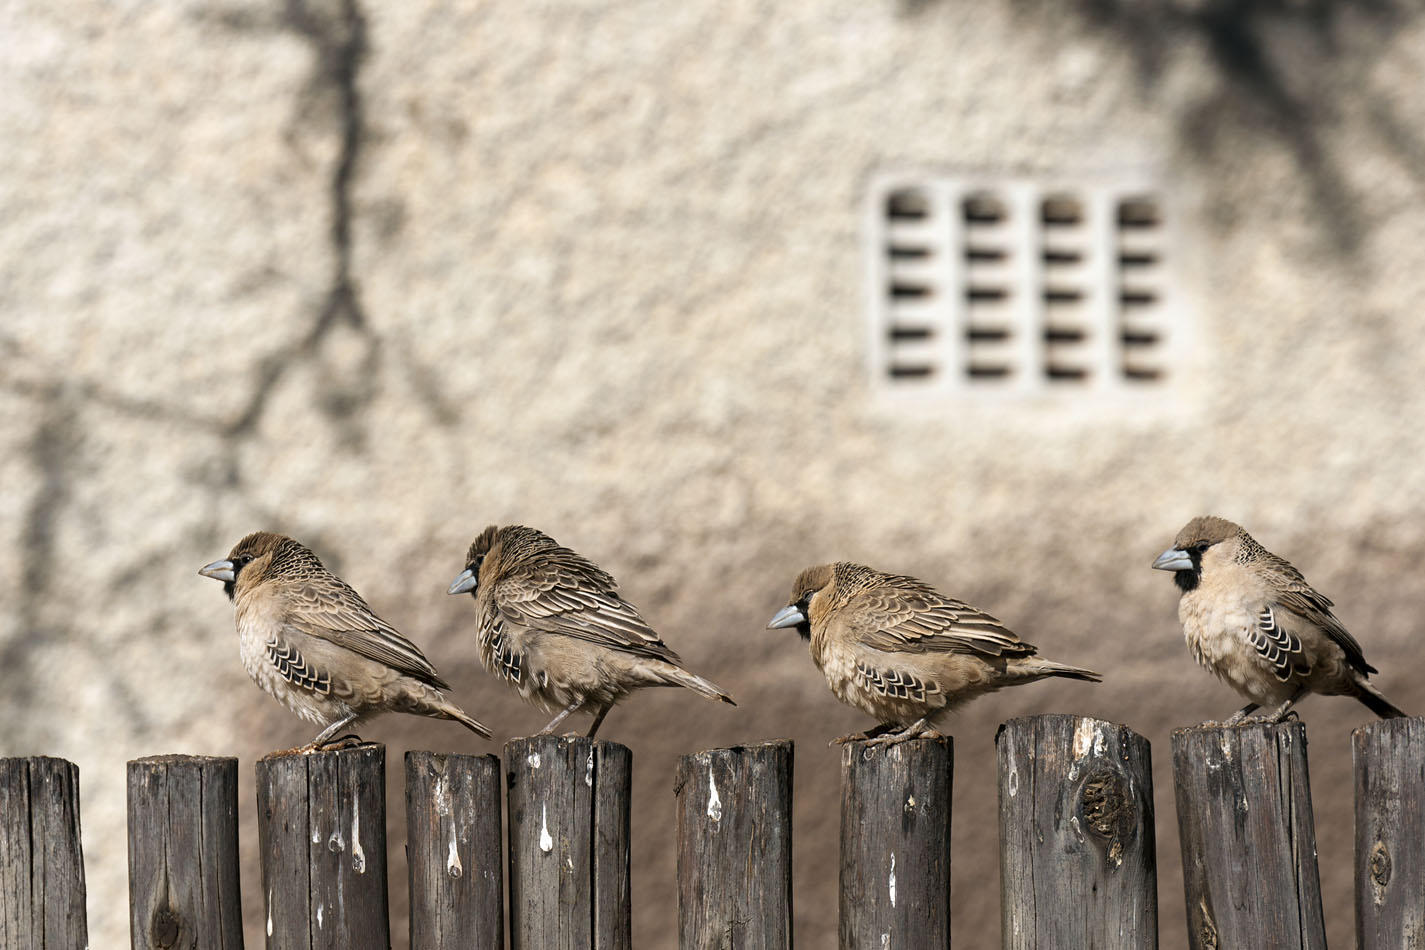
(378, 275)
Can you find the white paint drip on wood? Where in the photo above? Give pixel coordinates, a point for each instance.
(546, 843)
(714, 802)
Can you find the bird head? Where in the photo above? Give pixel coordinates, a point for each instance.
(1196, 541)
(248, 562)
(809, 595)
(469, 579)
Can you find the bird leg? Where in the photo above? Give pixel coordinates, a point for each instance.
(325, 735)
(598, 719)
(1240, 714)
(560, 718)
(1278, 714)
(871, 733)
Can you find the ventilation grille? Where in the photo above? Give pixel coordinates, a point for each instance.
(1018, 288)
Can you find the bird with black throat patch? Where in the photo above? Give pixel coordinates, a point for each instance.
(1252, 619)
(896, 648)
(553, 626)
(314, 645)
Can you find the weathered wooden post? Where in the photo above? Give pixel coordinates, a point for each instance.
(321, 828)
(1390, 833)
(568, 803)
(1078, 860)
(895, 844)
(41, 863)
(454, 851)
(735, 848)
(1249, 843)
(183, 853)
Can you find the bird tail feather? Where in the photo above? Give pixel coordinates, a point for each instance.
(469, 722)
(677, 676)
(1377, 703)
(1038, 669)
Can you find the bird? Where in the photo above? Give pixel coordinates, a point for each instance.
(553, 625)
(311, 642)
(1251, 618)
(895, 647)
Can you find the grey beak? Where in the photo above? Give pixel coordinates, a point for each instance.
(790, 616)
(1173, 560)
(465, 581)
(219, 571)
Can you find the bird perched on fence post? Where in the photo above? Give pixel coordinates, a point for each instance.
(314, 645)
(553, 625)
(902, 651)
(1254, 621)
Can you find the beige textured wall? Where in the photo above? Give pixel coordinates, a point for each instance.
(376, 275)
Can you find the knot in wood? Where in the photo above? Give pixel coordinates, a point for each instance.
(1107, 805)
(1380, 864)
(165, 927)
(1206, 929)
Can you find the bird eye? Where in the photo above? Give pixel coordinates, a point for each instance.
(1201, 546)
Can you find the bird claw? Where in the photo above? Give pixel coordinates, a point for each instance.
(854, 737)
(348, 741)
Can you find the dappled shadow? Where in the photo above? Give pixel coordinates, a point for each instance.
(1284, 70)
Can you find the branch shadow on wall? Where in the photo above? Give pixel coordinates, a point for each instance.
(1280, 66)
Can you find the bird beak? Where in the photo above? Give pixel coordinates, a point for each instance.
(1173, 560)
(789, 616)
(466, 581)
(219, 571)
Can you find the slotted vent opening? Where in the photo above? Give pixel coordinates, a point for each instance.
(1019, 287)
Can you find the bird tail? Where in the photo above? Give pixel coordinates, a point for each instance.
(452, 711)
(671, 675)
(1377, 703)
(1037, 668)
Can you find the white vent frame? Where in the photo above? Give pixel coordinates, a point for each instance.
(1012, 288)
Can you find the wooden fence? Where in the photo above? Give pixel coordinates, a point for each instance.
(1078, 866)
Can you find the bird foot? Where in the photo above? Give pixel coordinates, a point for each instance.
(348, 741)
(854, 737)
(1271, 719)
(1213, 724)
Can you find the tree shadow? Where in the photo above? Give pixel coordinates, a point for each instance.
(1283, 71)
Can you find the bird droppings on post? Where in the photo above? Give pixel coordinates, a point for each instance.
(269, 912)
(891, 883)
(452, 861)
(335, 843)
(1083, 738)
(358, 857)
(546, 843)
(714, 803)
(589, 769)
(320, 908)
(533, 760)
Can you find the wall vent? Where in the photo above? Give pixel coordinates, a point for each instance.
(1019, 288)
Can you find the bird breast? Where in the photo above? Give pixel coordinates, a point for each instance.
(1217, 626)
